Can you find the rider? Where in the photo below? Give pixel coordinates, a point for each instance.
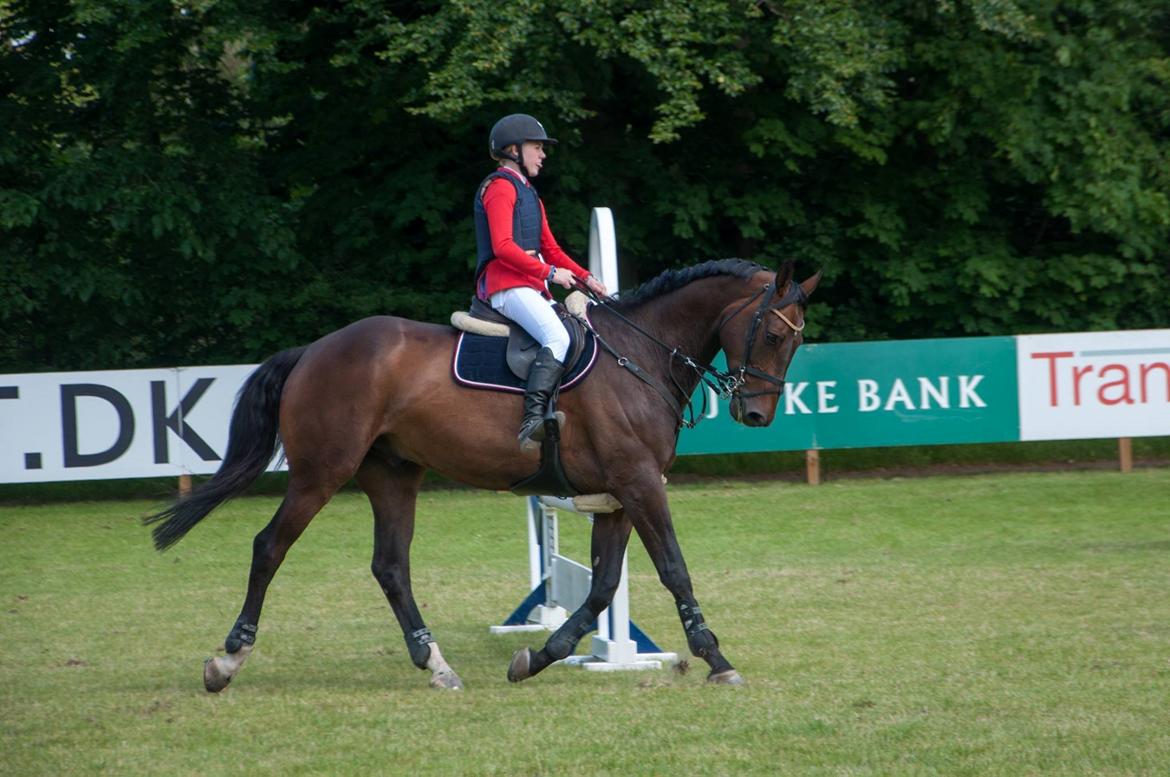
(517, 256)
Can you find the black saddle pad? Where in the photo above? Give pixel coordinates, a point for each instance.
(480, 362)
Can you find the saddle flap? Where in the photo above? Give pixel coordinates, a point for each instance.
(522, 350)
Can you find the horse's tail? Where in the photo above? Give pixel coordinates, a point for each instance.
(252, 442)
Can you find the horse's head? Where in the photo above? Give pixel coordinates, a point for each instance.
(759, 333)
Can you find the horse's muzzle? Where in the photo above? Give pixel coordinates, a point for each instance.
(741, 414)
(752, 418)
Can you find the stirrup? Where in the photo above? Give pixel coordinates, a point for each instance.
(532, 440)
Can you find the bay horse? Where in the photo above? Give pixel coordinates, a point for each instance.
(376, 401)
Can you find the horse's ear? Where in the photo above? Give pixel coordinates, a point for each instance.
(810, 285)
(784, 276)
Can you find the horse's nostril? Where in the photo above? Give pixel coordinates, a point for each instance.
(754, 419)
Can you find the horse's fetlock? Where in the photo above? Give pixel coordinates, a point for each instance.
(559, 646)
(700, 639)
(241, 634)
(702, 642)
(419, 644)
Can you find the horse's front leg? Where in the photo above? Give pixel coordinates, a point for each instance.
(611, 534)
(647, 506)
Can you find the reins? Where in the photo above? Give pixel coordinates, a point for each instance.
(727, 385)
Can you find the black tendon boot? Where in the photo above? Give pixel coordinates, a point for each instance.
(542, 383)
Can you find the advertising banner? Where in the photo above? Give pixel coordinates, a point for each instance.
(904, 392)
(168, 422)
(1094, 384)
(116, 424)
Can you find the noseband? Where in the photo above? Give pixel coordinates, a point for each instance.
(735, 379)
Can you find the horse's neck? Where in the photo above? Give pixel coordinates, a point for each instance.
(686, 319)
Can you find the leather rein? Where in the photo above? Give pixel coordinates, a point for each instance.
(727, 385)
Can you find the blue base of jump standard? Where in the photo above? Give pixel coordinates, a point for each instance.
(561, 585)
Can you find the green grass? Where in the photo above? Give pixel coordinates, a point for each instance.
(1008, 624)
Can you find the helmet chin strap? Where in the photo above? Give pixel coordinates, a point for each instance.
(519, 160)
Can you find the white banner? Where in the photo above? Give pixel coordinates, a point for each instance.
(115, 424)
(1094, 384)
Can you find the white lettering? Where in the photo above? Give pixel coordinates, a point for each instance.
(967, 395)
(792, 392)
(899, 395)
(824, 396)
(867, 396)
(928, 391)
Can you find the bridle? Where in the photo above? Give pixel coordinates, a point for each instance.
(728, 385)
(794, 295)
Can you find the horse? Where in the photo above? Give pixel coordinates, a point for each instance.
(375, 401)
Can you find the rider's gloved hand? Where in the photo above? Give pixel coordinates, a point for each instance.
(596, 286)
(562, 277)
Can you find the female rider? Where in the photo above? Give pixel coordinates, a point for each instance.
(517, 256)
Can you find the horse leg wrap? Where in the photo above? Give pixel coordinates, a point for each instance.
(419, 644)
(701, 640)
(563, 641)
(240, 635)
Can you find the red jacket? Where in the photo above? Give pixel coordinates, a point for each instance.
(512, 266)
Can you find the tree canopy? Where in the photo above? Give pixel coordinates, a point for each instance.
(209, 181)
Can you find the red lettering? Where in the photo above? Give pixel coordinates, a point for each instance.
(1147, 369)
(1078, 373)
(1123, 381)
(1052, 357)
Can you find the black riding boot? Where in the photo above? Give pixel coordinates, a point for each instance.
(542, 383)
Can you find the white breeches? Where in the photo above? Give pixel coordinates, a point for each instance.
(532, 311)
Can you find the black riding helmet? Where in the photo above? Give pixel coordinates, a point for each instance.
(514, 129)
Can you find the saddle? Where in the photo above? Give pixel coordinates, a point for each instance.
(522, 347)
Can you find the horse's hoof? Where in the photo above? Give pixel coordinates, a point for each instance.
(726, 677)
(214, 679)
(446, 681)
(518, 669)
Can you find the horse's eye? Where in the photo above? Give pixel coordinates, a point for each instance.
(770, 338)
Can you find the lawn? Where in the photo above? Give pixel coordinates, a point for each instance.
(1006, 624)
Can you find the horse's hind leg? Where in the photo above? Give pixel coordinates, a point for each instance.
(611, 534)
(269, 548)
(393, 491)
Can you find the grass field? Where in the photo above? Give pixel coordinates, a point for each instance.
(1008, 624)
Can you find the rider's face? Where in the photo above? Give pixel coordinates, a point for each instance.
(532, 153)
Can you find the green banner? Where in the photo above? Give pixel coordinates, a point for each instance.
(904, 392)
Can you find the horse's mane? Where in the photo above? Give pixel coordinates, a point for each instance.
(669, 280)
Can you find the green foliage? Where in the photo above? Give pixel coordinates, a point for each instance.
(210, 181)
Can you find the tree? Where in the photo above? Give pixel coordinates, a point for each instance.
(209, 181)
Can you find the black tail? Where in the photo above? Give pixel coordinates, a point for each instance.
(252, 442)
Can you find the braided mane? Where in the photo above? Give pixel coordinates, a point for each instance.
(671, 280)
